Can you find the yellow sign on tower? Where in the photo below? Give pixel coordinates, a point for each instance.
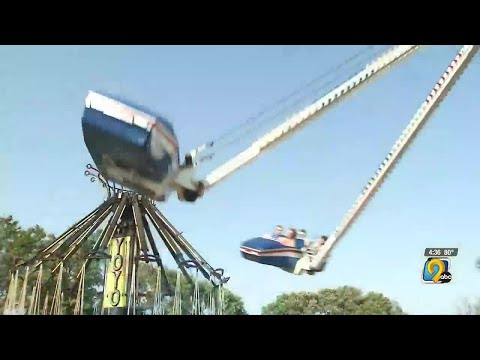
(115, 294)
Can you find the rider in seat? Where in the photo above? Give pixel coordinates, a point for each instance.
(290, 239)
(312, 248)
(302, 234)
(301, 239)
(278, 232)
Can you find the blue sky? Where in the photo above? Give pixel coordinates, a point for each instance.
(309, 181)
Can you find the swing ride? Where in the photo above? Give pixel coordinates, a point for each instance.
(267, 250)
(125, 241)
(281, 251)
(134, 148)
(260, 250)
(139, 150)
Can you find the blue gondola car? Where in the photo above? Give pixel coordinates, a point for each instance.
(268, 251)
(130, 145)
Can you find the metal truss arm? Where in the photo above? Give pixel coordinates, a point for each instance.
(424, 113)
(295, 122)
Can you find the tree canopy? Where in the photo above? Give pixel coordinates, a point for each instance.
(18, 244)
(345, 300)
(233, 304)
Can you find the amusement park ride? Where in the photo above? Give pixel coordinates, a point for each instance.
(139, 150)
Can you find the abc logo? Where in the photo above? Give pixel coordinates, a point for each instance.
(445, 277)
(436, 271)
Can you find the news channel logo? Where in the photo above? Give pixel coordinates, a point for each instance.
(437, 271)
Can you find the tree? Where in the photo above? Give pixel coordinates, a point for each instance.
(345, 300)
(469, 307)
(18, 244)
(147, 274)
(93, 276)
(9, 229)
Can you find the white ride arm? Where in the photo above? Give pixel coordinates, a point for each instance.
(298, 120)
(434, 99)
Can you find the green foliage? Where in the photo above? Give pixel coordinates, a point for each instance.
(148, 274)
(18, 244)
(93, 276)
(345, 300)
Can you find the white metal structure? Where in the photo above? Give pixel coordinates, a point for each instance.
(183, 179)
(315, 263)
(423, 114)
(300, 119)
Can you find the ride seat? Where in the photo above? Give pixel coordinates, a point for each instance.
(299, 243)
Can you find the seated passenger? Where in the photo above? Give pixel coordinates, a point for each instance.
(278, 231)
(301, 239)
(302, 234)
(313, 247)
(290, 239)
(322, 240)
